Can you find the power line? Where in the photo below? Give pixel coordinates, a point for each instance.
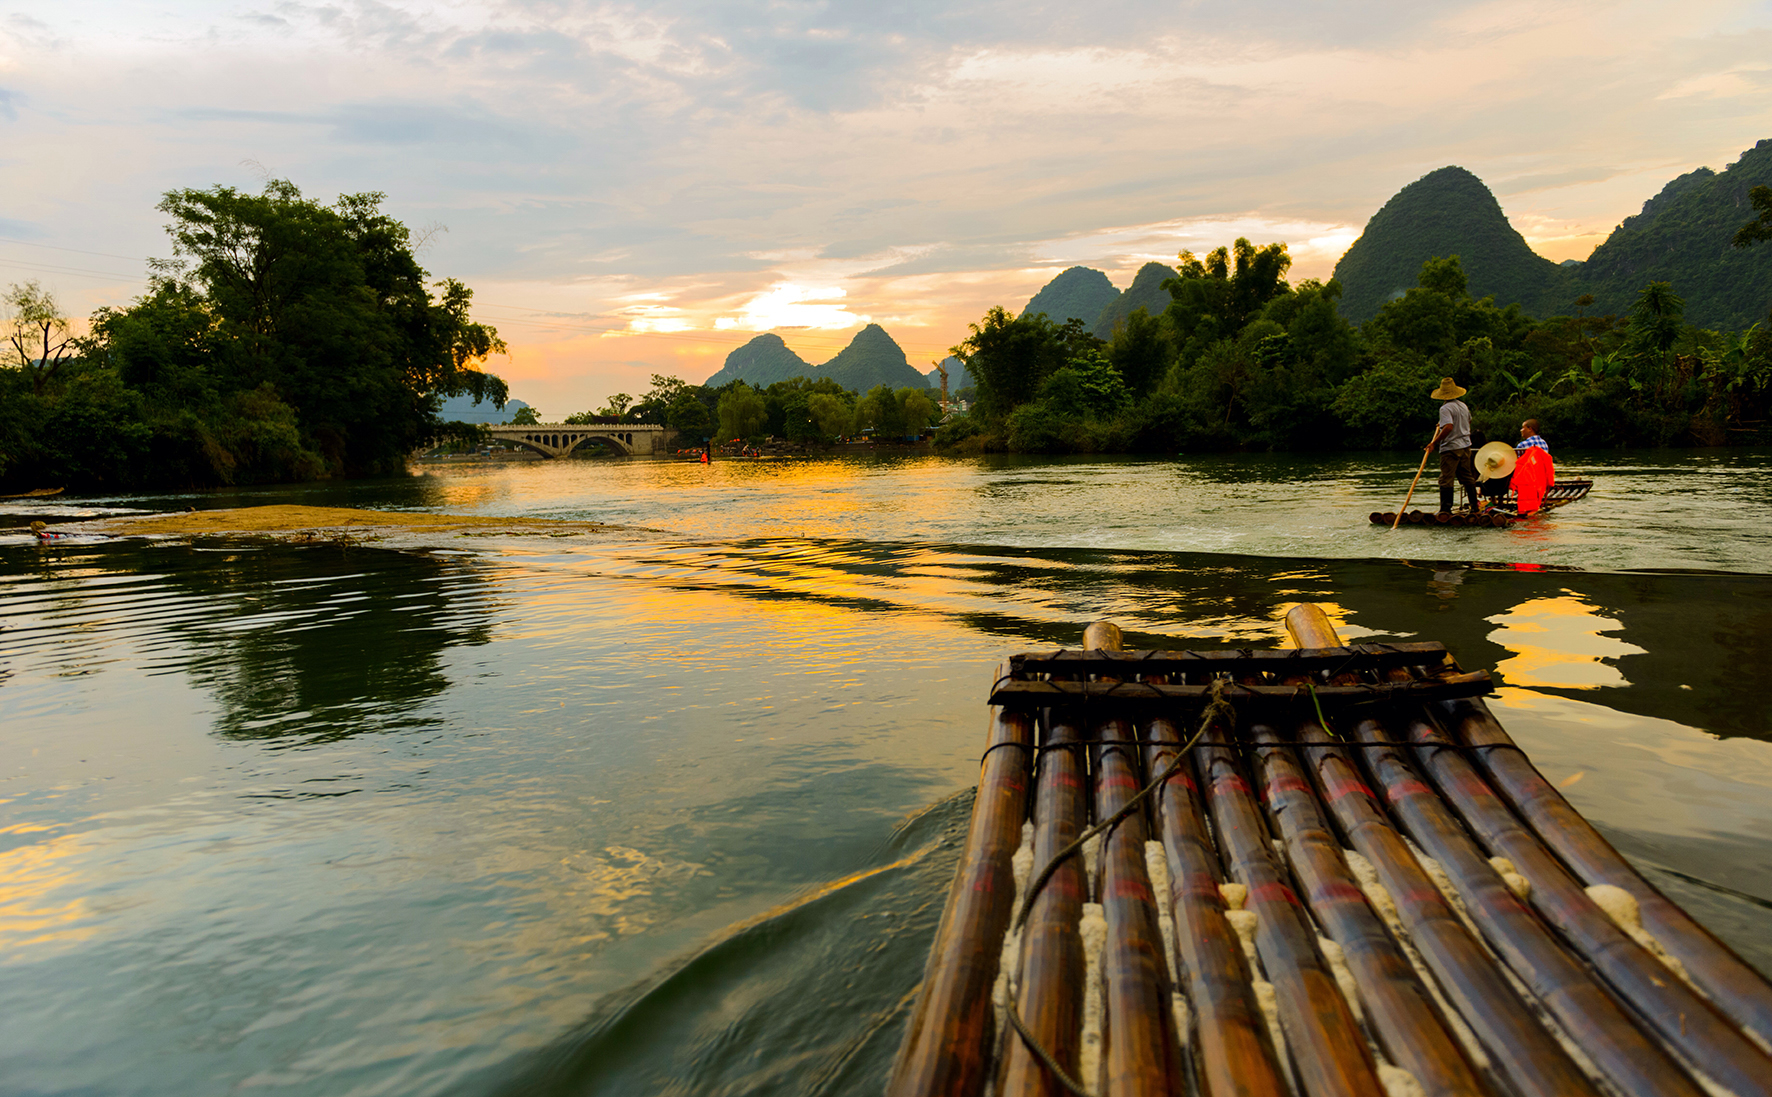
(77, 251)
(51, 268)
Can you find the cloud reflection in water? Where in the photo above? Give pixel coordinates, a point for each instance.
(1560, 642)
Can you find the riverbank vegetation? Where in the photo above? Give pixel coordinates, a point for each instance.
(1241, 359)
(807, 411)
(285, 340)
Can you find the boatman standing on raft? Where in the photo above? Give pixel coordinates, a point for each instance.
(1454, 441)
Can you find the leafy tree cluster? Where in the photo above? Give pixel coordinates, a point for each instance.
(285, 340)
(1242, 359)
(799, 409)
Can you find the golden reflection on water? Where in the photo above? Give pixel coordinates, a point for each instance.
(1560, 642)
(28, 875)
(460, 494)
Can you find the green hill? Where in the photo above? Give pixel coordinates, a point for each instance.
(762, 362)
(1448, 212)
(1682, 237)
(1146, 292)
(1078, 293)
(871, 358)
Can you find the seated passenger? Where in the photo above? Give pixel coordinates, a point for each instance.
(1533, 471)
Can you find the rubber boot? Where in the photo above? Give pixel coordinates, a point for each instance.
(1445, 500)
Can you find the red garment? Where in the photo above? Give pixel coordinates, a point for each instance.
(1533, 473)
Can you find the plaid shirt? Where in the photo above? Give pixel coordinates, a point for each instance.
(1534, 442)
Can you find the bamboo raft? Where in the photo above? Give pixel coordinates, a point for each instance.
(1343, 877)
(1499, 516)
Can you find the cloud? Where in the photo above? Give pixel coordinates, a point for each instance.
(787, 305)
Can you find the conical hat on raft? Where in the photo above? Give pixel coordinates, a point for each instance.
(1493, 460)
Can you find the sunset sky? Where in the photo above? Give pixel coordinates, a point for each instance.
(637, 189)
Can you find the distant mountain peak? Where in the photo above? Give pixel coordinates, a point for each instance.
(1448, 211)
(1075, 293)
(762, 362)
(1146, 292)
(872, 358)
(1682, 237)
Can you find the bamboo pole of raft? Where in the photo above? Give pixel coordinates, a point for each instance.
(1743, 995)
(1399, 1010)
(1050, 1000)
(1233, 1056)
(1140, 1051)
(1635, 1064)
(1685, 1021)
(1328, 1050)
(1521, 1052)
(947, 1045)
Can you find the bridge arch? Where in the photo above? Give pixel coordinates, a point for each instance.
(565, 443)
(561, 439)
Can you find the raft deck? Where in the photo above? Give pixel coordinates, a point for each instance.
(1325, 870)
(1499, 516)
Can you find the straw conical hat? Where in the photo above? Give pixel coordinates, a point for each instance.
(1493, 460)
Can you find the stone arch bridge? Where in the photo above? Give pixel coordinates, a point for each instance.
(560, 439)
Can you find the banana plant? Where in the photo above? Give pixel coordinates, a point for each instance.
(1520, 386)
(1732, 367)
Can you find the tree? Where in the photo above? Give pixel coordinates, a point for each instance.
(1010, 357)
(328, 306)
(688, 414)
(665, 390)
(38, 340)
(741, 412)
(1141, 351)
(831, 411)
(1760, 228)
(1215, 297)
(880, 410)
(526, 417)
(917, 410)
(1655, 319)
(617, 406)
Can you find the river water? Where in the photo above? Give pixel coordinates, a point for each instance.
(674, 811)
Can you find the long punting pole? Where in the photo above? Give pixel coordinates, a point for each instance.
(1412, 483)
(1684, 1020)
(1524, 1055)
(1050, 1002)
(1233, 1055)
(1734, 987)
(1327, 1047)
(1140, 1051)
(947, 1045)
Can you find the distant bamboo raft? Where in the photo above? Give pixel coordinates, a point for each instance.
(1352, 882)
(1499, 517)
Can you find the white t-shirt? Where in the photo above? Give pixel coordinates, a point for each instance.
(1454, 412)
